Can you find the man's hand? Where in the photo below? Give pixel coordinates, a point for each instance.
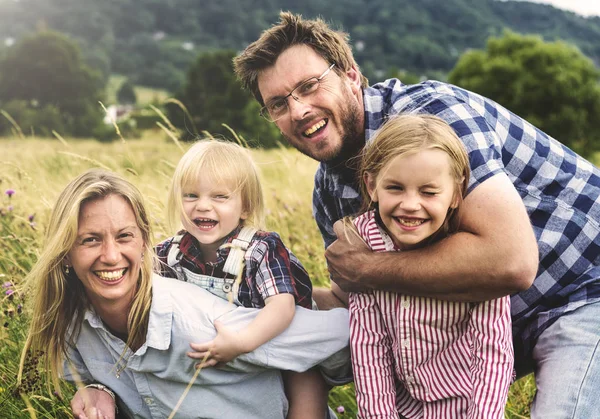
(92, 403)
(346, 257)
(222, 349)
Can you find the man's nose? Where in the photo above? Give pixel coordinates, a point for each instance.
(298, 109)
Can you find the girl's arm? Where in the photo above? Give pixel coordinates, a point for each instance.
(273, 319)
(372, 359)
(493, 358)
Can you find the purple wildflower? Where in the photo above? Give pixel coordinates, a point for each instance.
(10, 208)
(340, 409)
(9, 192)
(31, 217)
(7, 284)
(9, 292)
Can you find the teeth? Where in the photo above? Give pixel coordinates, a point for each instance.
(110, 275)
(314, 128)
(410, 222)
(205, 223)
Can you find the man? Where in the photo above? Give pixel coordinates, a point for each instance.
(531, 215)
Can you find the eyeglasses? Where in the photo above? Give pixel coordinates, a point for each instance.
(277, 108)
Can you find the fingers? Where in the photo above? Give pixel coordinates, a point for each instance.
(338, 228)
(198, 354)
(209, 363)
(202, 347)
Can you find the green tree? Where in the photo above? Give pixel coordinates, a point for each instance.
(126, 94)
(552, 85)
(47, 69)
(214, 97)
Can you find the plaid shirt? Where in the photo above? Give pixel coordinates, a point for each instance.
(560, 190)
(270, 268)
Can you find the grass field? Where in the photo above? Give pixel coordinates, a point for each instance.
(38, 169)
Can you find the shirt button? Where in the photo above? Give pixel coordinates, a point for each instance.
(149, 400)
(410, 379)
(406, 343)
(405, 304)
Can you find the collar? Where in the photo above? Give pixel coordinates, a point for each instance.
(190, 247)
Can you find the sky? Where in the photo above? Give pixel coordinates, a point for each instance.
(582, 7)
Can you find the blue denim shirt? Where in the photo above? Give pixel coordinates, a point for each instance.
(150, 381)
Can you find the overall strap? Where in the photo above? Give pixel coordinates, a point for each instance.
(174, 257)
(235, 261)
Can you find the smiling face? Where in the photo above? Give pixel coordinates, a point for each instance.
(327, 126)
(211, 211)
(414, 192)
(107, 252)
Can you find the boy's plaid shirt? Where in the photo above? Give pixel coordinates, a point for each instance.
(560, 190)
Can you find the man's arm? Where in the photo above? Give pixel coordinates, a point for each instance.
(494, 253)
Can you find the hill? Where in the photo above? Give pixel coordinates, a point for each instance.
(154, 41)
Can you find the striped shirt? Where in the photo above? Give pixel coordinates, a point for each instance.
(270, 267)
(560, 191)
(425, 358)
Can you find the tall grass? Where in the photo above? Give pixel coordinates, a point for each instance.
(38, 169)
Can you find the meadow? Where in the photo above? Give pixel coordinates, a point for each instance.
(33, 171)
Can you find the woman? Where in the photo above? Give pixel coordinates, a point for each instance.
(101, 314)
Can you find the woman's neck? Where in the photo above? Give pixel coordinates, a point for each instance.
(114, 315)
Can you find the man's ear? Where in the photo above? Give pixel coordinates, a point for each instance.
(354, 77)
(370, 183)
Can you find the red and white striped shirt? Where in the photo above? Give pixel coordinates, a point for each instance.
(418, 357)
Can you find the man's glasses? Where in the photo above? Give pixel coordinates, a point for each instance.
(277, 108)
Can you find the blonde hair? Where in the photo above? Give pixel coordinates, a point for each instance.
(292, 30)
(59, 300)
(223, 162)
(408, 134)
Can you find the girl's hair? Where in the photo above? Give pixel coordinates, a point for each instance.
(408, 134)
(59, 299)
(292, 30)
(223, 162)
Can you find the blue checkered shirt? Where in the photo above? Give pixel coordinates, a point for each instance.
(560, 190)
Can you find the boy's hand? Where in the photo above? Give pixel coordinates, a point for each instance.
(222, 349)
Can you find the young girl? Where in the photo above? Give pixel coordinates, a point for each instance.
(216, 195)
(418, 357)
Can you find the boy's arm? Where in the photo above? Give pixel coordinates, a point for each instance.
(271, 320)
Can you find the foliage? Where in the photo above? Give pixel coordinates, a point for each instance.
(552, 85)
(126, 94)
(152, 42)
(45, 73)
(213, 96)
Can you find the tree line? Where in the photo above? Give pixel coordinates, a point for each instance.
(153, 42)
(45, 85)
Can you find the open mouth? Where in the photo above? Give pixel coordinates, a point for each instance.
(111, 276)
(205, 223)
(410, 222)
(315, 128)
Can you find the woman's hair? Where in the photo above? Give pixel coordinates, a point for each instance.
(408, 134)
(292, 30)
(222, 162)
(59, 299)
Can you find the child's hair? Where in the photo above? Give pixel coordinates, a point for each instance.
(224, 163)
(408, 134)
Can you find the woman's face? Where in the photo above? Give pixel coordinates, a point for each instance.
(107, 253)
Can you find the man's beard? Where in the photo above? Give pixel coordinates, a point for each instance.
(352, 139)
